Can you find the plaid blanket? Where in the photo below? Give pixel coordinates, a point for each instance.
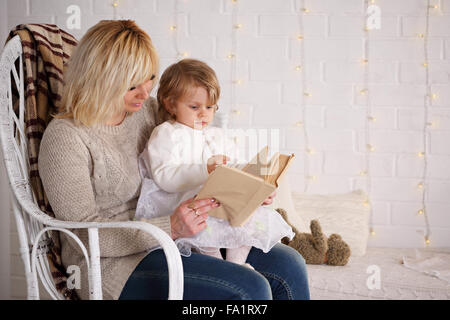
(46, 49)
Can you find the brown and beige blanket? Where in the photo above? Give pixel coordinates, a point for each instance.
(46, 50)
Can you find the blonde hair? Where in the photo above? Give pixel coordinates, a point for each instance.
(179, 78)
(112, 57)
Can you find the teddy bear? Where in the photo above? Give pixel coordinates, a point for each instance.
(315, 247)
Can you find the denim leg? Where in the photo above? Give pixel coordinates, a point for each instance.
(205, 278)
(285, 269)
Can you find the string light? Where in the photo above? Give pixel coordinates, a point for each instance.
(302, 101)
(115, 4)
(426, 105)
(231, 56)
(176, 33)
(365, 172)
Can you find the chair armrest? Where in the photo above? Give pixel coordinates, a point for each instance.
(173, 257)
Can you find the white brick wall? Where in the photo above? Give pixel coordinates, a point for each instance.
(269, 96)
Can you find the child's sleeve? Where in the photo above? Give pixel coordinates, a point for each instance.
(164, 159)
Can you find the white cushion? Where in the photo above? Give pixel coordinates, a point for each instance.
(283, 199)
(344, 214)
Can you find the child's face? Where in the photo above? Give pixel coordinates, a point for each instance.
(194, 110)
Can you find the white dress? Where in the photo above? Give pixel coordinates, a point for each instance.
(173, 169)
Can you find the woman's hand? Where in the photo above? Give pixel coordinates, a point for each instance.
(269, 199)
(190, 216)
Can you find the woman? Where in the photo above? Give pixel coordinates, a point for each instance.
(89, 169)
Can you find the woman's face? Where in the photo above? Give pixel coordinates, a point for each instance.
(136, 96)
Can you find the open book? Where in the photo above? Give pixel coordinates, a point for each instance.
(242, 191)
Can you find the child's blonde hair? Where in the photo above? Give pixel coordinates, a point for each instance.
(112, 57)
(179, 78)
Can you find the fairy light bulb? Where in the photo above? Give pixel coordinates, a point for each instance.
(299, 37)
(370, 147)
(305, 10)
(230, 55)
(115, 4)
(312, 178)
(366, 203)
(421, 154)
(421, 211)
(371, 118)
(434, 6)
(299, 123)
(425, 64)
(238, 26)
(310, 151)
(427, 240)
(420, 185)
(307, 94)
(372, 232)
(239, 81)
(364, 61)
(173, 27)
(421, 35)
(298, 67)
(363, 173)
(363, 92)
(237, 112)
(434, 96)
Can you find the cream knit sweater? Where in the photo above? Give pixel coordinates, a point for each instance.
(91, 174)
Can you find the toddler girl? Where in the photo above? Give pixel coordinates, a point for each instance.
(180, 155)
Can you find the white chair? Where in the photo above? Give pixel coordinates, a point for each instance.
(33, 224)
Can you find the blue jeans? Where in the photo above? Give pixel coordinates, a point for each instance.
(281, 275)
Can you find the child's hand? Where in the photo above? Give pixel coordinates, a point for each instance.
(215, 160)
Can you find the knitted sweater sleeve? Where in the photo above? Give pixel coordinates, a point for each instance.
(64, 170)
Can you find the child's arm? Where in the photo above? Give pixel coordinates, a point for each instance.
(172, 173)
